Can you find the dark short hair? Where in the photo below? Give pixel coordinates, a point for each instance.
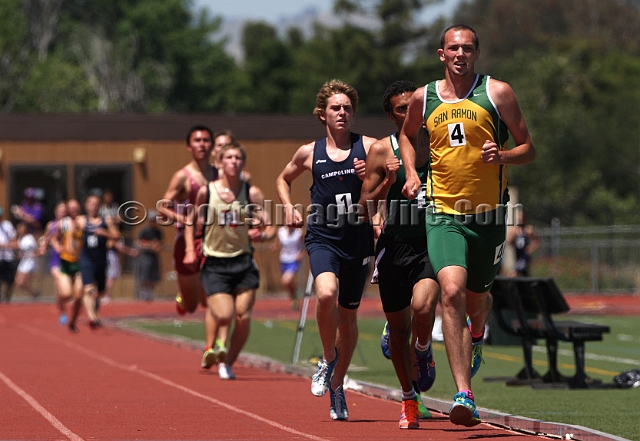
(461, 27)
(395, 89)
(197, 128)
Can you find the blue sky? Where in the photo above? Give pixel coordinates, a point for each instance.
(272, 10)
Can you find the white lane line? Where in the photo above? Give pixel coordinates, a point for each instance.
(38, 408)
(162, 380)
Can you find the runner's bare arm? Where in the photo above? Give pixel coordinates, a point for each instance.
(192, 217)
(359, 164)
(112, 231)
(300, 162)
(177, 190)
(524, 151)
(408, 139)
(262, 219)
(377, 181)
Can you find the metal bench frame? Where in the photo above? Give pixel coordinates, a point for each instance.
(534, 301)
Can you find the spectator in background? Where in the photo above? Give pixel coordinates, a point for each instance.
(291, 250)
(30, 210)
(114, 265)
(27, 252)
(525, 241)
(109, 209)
(8, 243)
(148, 263)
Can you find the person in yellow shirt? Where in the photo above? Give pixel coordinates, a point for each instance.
(468, 117)
(67, 242)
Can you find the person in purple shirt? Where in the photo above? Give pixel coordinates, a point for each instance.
(29, 211)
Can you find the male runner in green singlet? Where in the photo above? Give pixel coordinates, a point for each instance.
(468, 117)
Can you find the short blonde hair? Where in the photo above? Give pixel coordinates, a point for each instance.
(233, 145)
(330, 88)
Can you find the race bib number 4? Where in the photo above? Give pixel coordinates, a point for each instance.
(457, 137)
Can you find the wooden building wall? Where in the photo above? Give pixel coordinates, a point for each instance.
(70, 141)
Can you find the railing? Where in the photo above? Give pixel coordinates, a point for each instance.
(590, 259)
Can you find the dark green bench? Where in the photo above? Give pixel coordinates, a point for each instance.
(534, 302)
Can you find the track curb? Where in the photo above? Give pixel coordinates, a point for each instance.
(491, 417)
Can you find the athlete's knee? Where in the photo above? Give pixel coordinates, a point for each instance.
(453, 297)
(287, 278)
(243, 319)
(326, 296)
(223, 320)
(400, 330)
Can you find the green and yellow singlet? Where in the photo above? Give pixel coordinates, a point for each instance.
(405, 217)
(459, 182)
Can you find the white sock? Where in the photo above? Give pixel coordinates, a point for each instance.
(411, 395)
(422, 348)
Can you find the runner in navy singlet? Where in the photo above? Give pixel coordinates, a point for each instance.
(96, 230)
(338, 243)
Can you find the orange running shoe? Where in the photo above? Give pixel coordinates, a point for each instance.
(409, 417)
(180, 305)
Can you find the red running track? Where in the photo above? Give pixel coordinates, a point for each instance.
(111, 384)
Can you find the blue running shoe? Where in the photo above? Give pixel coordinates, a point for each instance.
(63, 319)
(338, 409)
(322, 378)
(384, 342)
(463, 411)
(476, 358)
(426, 369)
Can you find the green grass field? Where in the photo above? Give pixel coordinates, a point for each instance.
(611, 411)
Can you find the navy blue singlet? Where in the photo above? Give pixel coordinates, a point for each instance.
(335, 192)
(94, 247)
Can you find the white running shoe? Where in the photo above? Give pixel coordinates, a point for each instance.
(225, 372)
(322, 378)
(338, 409)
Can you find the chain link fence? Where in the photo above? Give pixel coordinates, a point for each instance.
(590, 259)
